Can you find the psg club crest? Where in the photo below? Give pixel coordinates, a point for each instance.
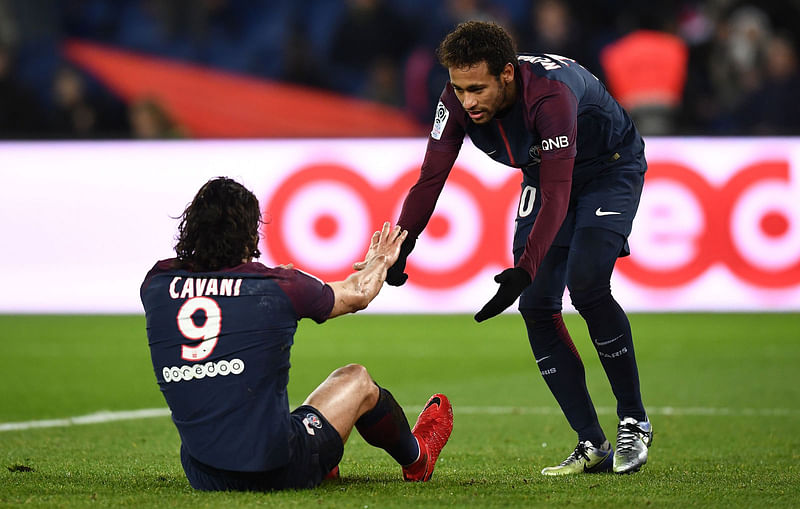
(312, 421)
(535, 153)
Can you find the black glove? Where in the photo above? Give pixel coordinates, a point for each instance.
(396, 275)
(512, 283)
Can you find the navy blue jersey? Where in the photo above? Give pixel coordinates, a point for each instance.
(220, 343)
(563, 130)
(563, 111)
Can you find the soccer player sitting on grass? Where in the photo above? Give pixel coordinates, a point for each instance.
(220, 327)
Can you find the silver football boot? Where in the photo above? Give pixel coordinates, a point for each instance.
(585, 458)
(633, 440)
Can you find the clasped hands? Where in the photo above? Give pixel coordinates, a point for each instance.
(394, 244)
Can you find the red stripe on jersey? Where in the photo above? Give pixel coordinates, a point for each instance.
(508, 146)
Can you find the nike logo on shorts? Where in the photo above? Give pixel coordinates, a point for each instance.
(600, 212)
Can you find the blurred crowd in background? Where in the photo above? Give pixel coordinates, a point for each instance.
(727, 67)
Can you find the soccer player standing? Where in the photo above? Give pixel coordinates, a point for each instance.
(582, 163)
(220, 327)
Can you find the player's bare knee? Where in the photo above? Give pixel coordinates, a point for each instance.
(354, 373)
(361, 380)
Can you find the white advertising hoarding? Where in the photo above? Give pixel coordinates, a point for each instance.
(718, 227)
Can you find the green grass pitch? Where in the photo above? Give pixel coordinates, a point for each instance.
(723, 391)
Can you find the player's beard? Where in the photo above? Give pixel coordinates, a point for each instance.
(503, 103)
(505, 98)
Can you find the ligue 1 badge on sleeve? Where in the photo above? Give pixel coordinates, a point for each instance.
(440, 121)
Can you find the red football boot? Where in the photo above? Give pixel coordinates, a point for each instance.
(432, 430)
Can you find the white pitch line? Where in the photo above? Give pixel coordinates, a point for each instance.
(147, 413)
(665, 410)
(97, 417)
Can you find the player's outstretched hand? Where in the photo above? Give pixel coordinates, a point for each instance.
(512, 283)
(396, 275)
(385, 243)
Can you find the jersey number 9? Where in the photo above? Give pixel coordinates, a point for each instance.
(208, 333)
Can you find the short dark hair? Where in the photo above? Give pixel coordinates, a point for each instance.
(473, 42)
(219, 228)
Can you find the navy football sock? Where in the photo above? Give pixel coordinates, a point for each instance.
(591, 261)
(562, 369)
(386, 426)
(611, 335)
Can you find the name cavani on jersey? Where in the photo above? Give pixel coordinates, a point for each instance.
(187, 288)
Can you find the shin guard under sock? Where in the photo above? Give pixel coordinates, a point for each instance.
(611, 335)
(592, 257)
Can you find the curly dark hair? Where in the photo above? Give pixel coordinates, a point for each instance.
(219, 228)
(473, 42)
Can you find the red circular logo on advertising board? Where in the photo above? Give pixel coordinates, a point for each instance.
(322, 216)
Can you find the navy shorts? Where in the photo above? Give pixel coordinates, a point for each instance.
(608, 201)
(315, 448)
